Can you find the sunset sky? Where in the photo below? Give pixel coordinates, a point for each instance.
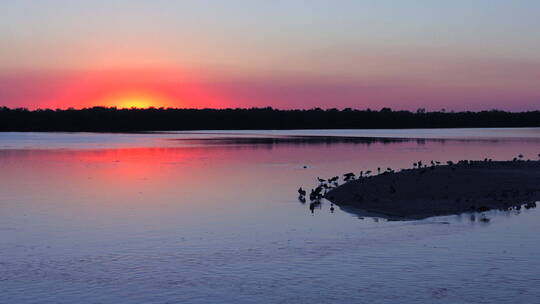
(457, 55)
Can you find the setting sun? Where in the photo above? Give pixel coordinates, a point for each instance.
(135, 100)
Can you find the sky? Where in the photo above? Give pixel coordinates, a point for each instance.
(409, 54)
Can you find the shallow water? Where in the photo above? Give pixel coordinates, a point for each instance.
(213, 217)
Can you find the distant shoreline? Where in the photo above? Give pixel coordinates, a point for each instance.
(470, 186)
(100, 119)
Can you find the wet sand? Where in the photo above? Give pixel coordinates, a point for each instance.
(443, 190)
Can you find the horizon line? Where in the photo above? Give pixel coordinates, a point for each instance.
(340, 109)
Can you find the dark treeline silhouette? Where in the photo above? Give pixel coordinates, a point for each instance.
(101, 119)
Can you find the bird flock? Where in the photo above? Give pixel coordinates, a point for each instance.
(325, 185)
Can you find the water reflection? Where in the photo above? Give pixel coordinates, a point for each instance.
(474, 217)
(270, 141)
(206, 221)
(289, 140)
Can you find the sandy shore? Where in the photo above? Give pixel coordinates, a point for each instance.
(443, 190)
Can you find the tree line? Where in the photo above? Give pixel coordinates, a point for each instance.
(102, 119)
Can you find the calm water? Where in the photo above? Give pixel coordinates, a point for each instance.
(213, 218)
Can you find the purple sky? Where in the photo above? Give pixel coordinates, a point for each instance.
(457, 55)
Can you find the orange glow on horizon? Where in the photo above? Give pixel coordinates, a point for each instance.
(128, 89)
(134, 100)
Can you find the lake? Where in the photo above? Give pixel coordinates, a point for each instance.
(213, 217)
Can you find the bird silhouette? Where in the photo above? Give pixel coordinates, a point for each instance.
(348, 176)
(333, 179)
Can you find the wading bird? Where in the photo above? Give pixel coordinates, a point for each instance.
(333, 179)
(348, 176)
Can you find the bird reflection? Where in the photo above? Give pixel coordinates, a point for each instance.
(313, 205)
